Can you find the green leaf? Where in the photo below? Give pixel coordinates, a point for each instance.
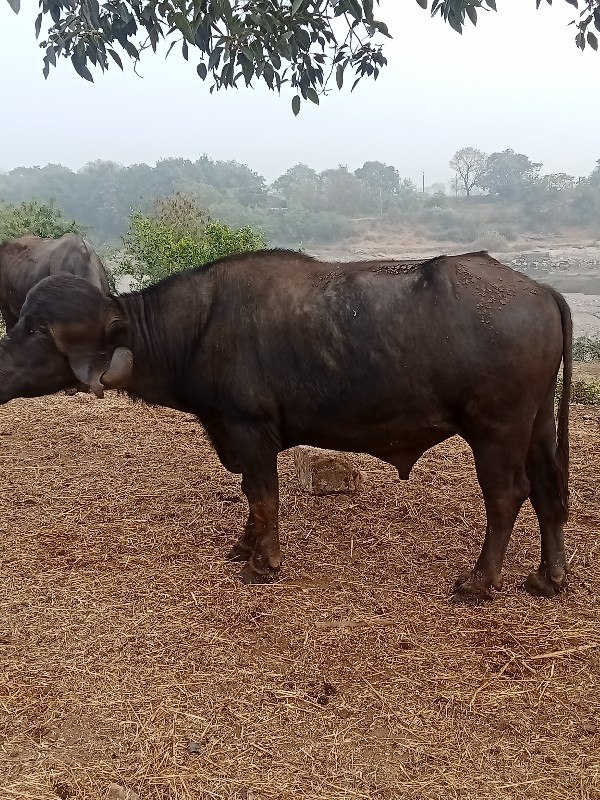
(269, 75)
(215, 57)
(339, 76)
(247, 70)
(312, 95)
(296, 104)
(182, 23)
(296, 5)
(455, 24)
(422, 3)
(355, 9)
(116, 58)
(15, 5)
(81, 69)
(202, 71)
(382, 28)
(592, 40)
(368, 7)
(472, 14)
(131, 50)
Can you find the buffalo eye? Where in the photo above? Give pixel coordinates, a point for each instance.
(117, 333)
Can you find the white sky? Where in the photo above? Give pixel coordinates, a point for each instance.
(517, 80)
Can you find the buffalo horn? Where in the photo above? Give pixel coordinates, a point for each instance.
(119, 370)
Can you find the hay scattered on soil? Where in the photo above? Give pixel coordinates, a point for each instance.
(130, 653)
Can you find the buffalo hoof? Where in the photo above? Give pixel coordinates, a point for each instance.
(253, 574)
(543, 584)
(79, 387)
(471, 590)
(239, 552)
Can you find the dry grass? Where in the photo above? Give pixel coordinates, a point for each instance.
(130, 653)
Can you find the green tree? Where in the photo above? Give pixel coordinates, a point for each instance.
(509, 175)
(39, 219)
(303, 43)
(586, 202)
(407, 198)
(550, 199)
(469, 164)
(300, 185)
(247, 186)
(556, 182)
(343, 193)
(381, 181)
(178, 234)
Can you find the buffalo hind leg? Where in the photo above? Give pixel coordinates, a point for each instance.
(261, 487)
(546, 500)
(505, 486)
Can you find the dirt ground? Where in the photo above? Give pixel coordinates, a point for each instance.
(130, 653)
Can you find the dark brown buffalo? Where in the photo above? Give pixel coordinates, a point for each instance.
(27, 260)
(275, 349)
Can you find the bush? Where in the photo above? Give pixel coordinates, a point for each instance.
(39, 219)
(179, 235)
(584, 391)
(492, 241)
(586, 349)
(296, 226)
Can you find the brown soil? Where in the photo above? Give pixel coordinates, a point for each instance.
(129, 651)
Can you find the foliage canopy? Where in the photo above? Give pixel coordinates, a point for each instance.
(303, 43)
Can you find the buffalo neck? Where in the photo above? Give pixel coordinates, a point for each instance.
(166, 322)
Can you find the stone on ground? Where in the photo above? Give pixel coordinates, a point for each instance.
(322, 472)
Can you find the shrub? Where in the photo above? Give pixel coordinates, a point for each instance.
(179, 235)
(492, 241)
(296, 225)
(39, 219)
(584, 391)
(586, 349)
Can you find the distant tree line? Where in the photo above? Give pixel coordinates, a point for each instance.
(503, 193)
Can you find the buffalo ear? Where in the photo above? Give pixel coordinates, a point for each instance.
(80, 358)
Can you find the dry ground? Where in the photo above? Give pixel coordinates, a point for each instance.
(130, 653)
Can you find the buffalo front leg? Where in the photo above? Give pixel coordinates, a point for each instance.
(505, 487)
(78, 387)
(261, 487)
(244, 547)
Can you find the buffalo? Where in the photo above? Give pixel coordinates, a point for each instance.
(27, 260)
(274, 349)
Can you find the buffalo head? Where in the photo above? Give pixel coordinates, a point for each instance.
(68, 331)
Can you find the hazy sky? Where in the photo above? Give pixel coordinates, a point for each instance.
(517, 80)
